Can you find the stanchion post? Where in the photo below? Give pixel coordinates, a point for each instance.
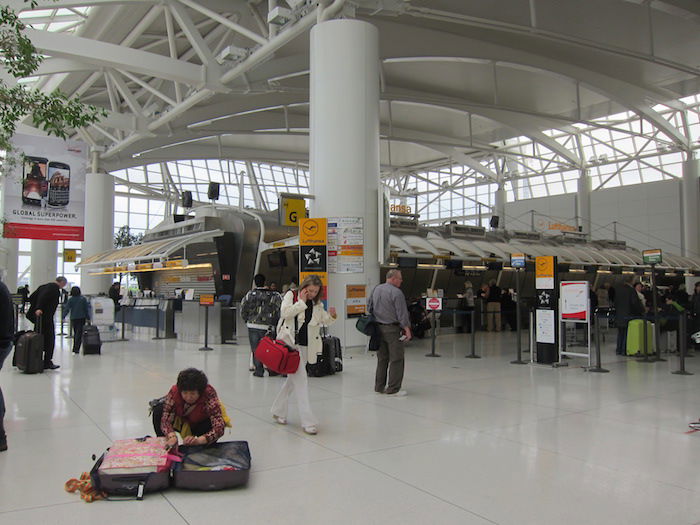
(432, 339)
(597, 368)
(519, 345)
(682, 331)
(158, 322)
(62, 320)
(473, 336)
(206, 346)
(123, 311)
(645, 338)
(657, 333)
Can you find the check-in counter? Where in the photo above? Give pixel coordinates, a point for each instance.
(149, 313)
(223, 323)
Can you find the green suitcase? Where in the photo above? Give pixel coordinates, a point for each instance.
(635, 337)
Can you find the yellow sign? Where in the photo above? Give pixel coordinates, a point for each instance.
(69, 255)
(324, 280)
(206, 299)
(544, 267)
(293, 210)
(400, 208)
(356, 299)
(560, 226)
(313, 232)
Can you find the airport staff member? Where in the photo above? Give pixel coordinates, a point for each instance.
(388, 304)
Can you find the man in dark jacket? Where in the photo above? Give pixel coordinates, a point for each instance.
(260, 309)
(43, 304)
(627, 306)
(7, 323)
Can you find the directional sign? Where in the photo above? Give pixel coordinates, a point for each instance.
(517, 260)
(651, 256)
(291, 211)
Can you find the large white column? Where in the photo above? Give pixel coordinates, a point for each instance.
(344, 144)
(44, 263)
(499, 208)
(691, 215)
(583, 196)
(9, 253)
(99, 227)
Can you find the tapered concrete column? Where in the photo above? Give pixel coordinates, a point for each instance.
(500, 205)
(344, 144)
(9, 254)
(99, 227)
(583, 197)
(44, 263)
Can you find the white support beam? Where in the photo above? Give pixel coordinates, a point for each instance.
(127, 95)
(148, 87)
(225, 21)
(193, 35)
(103, 54)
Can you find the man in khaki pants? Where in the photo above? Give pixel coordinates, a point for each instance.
(493, 307)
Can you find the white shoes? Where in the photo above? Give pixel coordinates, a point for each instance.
(400, 393)
(279, 420)
(311, 430)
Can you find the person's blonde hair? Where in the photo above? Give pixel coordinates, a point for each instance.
(312, 280)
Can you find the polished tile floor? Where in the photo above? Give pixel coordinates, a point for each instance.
(476, 441)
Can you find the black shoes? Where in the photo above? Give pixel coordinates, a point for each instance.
(3, 443)
(51, 366)
(258, 374)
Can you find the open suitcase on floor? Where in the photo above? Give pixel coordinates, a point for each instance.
(217, 466)
(133, 467)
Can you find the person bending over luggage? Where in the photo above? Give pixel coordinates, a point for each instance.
(192, 407)
(302, 314)
(79, 309)
(42, 307)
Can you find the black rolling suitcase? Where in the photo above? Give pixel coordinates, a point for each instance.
(334, 352)
(29, 352)
(92, 344)
(218, 466)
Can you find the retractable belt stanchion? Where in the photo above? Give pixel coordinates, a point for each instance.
(123, 311)
(158, 322)
(206, 346)
(683, 344)
(432, 339)
(62, 320)
(657, 334)
(597, 367)
(473, 355)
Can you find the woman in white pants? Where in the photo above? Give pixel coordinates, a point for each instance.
(301, 317)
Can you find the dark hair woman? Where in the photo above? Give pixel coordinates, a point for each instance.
(79, 309)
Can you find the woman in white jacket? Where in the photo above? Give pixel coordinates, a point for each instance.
(305, 335)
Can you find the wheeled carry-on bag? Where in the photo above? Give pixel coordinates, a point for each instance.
(218, 466)
(92, 343)
(133, 467)
(635, 337)
(29, 352)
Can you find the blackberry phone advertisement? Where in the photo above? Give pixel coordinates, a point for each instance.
(43, 196)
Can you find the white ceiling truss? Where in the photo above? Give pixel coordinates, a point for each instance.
(508, 91)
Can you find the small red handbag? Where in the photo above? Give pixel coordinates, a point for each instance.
(277, 356)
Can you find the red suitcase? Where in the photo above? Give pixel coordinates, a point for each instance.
(277, 356)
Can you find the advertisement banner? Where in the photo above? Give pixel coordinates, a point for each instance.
(44, 193)
(574, 300)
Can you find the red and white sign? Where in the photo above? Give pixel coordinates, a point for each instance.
(433, 304)
(574, 300)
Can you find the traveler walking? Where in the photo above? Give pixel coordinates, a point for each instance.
(493, 307)
(79, 309)
(301, 317)
(42, 307)
(388, 304)
(260, 309)
(7, 323)
(627, 306)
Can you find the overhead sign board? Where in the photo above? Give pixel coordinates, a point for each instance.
(313, 232)
(206, 299)
(651, 256)
(292, 210)
(517, 260)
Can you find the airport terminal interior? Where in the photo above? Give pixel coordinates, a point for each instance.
(544, 150)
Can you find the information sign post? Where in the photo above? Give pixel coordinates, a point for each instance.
(517, 261)
(206, 300)
(433, 305)
(574, 308)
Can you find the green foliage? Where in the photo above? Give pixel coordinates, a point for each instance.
(125, 238)
(54, 112)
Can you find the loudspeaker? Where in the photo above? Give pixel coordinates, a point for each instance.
(494, 221)
(186, 199)
(213, 191)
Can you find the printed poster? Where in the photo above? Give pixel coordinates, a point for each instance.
(44, 193)
(346, 248)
